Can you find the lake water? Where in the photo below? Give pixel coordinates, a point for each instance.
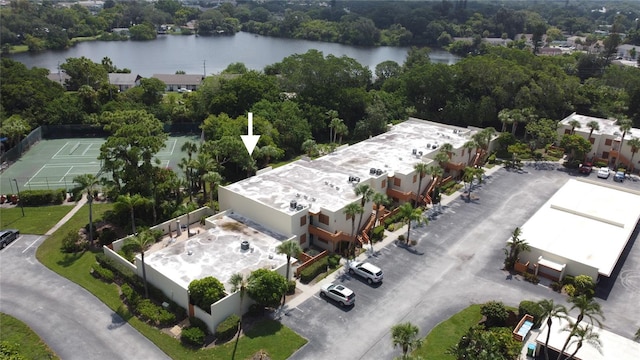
(193, 55)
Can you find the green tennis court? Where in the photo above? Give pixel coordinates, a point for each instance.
(53, 163)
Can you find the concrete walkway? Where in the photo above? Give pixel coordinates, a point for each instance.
(309, 290)
(66, 218)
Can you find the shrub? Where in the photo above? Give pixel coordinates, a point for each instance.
(291, 287)
(102, 273)
(584, 286)
(573, 164)
(400, 237)
(226, 329)
(568, 280)
(73, 242)
(333, 260)
(42, 197)
(266, 287)
(532, 278)
(556, 286)
(122, 273)
(569, 290)
(492, 159)
(532, 308)
(205, 292)
(200, 324)
(378, 233)
(391, 227)
(107, 236)
(600, 163)
(495, 312)
(192, 336)
(154, 313)
(130, 295)
(313, 270)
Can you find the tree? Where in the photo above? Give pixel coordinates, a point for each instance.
(550, 310)
(365, 192)
(86, 183)
(213, 178)
(309, 146)
(634, 143)
(140, 243)
(83, 71)
(186, 208)
(205, 292)
(421, 171)
(409, 214)
(469, 146)
(470, 174)
(129, 203)
(625, 126)
(289, 248)
(577, 146)
(379, 199)
(269, 152)
(14, 128)
(593, 125)
(267, 287)
(543, 132)
(405, 336)
(588, 308)
(495, 312)
(239, 283)
(341, 130)
(351, 211)
(334, 120)
(574, 124)
(582, 334)
(515, 247)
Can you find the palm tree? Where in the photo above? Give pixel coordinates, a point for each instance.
(505, 118)
(190, 148)
(379, 199)
(582, 334)
(186, 208)
(470, 174)
(625, 126)
(574, 124)
(202, 165)
(550, 311)
(239, 283)
(408, 214)
(333, 120)
(593, 125)
(140, 243)
(635, 146)
(333, 125)
(588, 308)
(86, 182)
(366, 192)
(469, 146)
(405, 335)
(351, 211)
(421, 171)
(129, 203)
(289, 248)
(341, 130)
(309, 147)
(269, 152)
(516, 246)
(213, 178)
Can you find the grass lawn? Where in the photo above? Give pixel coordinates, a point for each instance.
(22, 339)
(279, 341)
(36, 220)
(448, 333)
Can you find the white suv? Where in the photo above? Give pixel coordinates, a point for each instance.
(339, 293)
(366, 270)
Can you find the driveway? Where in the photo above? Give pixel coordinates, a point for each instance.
(73, 322)
(457, 262)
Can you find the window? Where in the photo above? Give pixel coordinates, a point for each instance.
(605, 154)
(592, 140)
(397, 181)
(607, 141)
(323, 219)
(384, 184)
(323, 240)
(415, 178)
(567, 131)
(303, 220)
(303, 239)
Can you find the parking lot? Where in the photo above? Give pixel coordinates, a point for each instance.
(456, 262)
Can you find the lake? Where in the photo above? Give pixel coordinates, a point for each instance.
(210, 55)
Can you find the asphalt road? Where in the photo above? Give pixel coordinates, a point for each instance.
(73, 322)
(457, 262)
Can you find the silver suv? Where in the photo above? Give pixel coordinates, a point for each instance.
(368, 271)
(7, 236)
(339, 293)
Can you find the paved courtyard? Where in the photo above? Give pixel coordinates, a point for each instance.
(456, 262)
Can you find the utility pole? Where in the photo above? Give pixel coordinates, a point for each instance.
(204, 67)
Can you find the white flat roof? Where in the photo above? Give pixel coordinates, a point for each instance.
(585, 222)
(607, 126)
(216, 252)
(613, 346)
(326, 179)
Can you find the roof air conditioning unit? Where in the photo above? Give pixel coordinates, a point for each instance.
(379, 172)
(299, 207)
(356, 179)
(293, 204)
(297, 195)
(414, 151)
(372, 171)
(428, 145)
(337, 188)
(420, 153)
(434, 146)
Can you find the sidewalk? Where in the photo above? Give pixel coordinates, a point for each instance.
(309, 290)
(66, 218)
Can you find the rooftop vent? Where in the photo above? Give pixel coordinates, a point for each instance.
(434, 146)
(293, 204)
(244, 245)
(428, 145)
(400, 158)
(313, 199)
(455, 131)
(306, 197)
(419, 153)
(299, 207)
(331, 185)
(414, 151)
(326, 183)
(297, 195)
(337, 188)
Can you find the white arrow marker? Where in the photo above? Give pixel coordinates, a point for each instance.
(250, 140)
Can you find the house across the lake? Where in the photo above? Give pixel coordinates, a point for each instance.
(175, 82)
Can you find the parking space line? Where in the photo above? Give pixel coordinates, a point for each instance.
(30, 245)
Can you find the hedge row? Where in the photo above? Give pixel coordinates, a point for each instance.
(153, 313)
(102, 273)
(42, 197)
(192, 336)
(532, 308)
(226, 329)
(310, 272)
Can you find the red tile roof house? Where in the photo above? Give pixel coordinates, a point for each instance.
(174, 82)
